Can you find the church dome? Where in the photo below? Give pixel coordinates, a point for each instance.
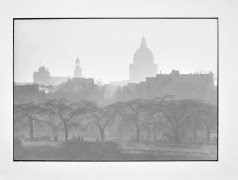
(143, 55)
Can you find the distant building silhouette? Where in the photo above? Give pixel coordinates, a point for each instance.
(43, 77)
(78, 69)
(180, 86)
(76, 85)
(77, 89)
(143, 64)
(27, 93)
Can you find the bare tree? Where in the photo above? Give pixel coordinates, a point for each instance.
(154, 117)
(154, 120)
(208, 114)
(64, 110)
(177, 113)
(102, 116)
(134, 112)
(194, 124)
(27, 114)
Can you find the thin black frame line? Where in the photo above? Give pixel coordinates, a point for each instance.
(13, 91)
(42, 18)
(99, 161)
(218, 89)
(128, 160)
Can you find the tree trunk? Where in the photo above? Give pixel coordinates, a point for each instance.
(176, 135)
(31, 130)
(66, 132)
(119, 133)
(154, 133)
(208, 136)
(182, 133)
(138, 134)
(195, 138)
(148, 133)
(102, 135)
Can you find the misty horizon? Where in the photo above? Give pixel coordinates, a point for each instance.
(105, 48)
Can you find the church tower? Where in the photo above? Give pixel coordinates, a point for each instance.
(143, 64)
(77, 69)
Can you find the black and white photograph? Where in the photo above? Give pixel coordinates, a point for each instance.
(129, 89)
(116, 89)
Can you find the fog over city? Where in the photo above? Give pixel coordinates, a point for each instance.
(115, 89)
(105, 47)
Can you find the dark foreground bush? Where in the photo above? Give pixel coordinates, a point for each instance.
(106, 151)
(70, 150)
(91, 150)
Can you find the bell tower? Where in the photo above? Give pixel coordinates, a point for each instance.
(77, 69)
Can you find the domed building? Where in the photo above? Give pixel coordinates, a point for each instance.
(143, 64)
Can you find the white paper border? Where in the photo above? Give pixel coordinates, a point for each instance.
(226, 167)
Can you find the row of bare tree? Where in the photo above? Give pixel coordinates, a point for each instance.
(138, 114)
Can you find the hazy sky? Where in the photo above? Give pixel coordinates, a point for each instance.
(106, 47)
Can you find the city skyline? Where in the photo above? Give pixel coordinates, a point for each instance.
(105, 51)
(166, 96)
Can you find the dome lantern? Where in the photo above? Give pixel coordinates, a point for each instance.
(143, 41)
